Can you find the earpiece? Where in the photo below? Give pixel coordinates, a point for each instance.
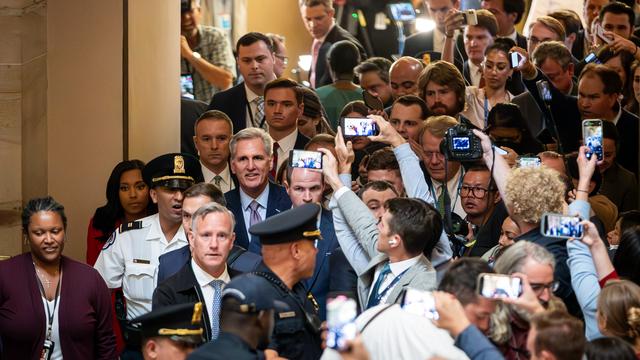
(393, 242)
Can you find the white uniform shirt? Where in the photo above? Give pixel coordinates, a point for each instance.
(129, 260)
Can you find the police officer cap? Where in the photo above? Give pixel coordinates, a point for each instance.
(176, 171)
(180, 322)
(251, 292)
(289, 226)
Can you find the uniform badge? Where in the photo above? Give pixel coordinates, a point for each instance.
(134, 225)
(110, 241)
(286, 315)
(178, 164)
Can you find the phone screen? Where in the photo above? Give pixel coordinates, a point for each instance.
(592, 57)
(359, 127)
(528, 162)
(402, 11)
(495, 286)
(515, 59)
(561, 226)
(305, 159)
(186, 86)
(421, 303)
(341, 315)
(592, 136)
(544, 90)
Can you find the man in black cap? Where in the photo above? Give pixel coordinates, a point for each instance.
(289, 256)
(171, 332)
(129, 259)
(247, 321)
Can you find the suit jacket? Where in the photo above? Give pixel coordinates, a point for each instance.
(278, 201)
(333, 36)
(232, 102)
(319, 283)
(183, 288)
(421, 276)
(301, 142)
(171, 262)
(628, 129)
(84, 311)
(421, 42)
(190, 111)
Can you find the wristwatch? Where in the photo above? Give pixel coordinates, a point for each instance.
(196, 55)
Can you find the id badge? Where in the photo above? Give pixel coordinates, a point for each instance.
(47, 350)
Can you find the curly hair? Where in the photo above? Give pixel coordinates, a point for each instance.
(531, 192)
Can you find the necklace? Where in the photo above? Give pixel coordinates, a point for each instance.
(44, 279)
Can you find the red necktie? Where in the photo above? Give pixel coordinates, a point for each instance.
(314, 58)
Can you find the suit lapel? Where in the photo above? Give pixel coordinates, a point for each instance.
(235, 205)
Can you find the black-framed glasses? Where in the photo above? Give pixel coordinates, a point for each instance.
(476, 191)
(539, 288)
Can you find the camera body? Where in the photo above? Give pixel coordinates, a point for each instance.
(461, 144)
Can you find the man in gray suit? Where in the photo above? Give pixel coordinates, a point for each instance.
(394, 244)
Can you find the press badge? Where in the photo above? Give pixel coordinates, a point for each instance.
(47, 350)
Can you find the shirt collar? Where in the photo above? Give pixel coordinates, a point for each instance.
(322, 39)
(473, 68)
(615, 119)
(250, 94)
(262, 199)
(204, 278)
(288, 142)
(513, 36)
(209, 175)
(398, 267)
(155, 232)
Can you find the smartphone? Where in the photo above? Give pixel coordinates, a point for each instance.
(592, 137)
(341, 315)
(186, 86)
(403, 11)
(498, 286)
(600, 33)
(544, 90)
(515, 59)
(561, 226)
(305, 159)
(592, 58)
(358, 127)
(420, 303)
(528, 162)
(470, 18)
(373, 102)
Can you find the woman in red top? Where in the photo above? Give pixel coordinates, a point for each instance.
(127, 200)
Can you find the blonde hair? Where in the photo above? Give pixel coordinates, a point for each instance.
(619, 305)
(437, 125)
(530, 192)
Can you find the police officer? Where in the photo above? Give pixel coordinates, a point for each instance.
(246, 321)
(171, 332)
(129, 259)
(289, 256)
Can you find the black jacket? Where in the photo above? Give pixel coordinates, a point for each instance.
(226, 347)
(182, 288)
(333, 36)
(232, 102)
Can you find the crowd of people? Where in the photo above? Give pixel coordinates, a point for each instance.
(523, 243)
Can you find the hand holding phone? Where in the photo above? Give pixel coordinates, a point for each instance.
(592, 137)
(341, 315)
(352, 127)
(601, 35)
(516, 59)
(420, 303)
(305, 159)
(498, 286)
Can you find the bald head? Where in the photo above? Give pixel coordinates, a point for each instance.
(403, 76)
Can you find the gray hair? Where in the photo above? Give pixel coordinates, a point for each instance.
(210, 208)
(251, 133)
(516, 255)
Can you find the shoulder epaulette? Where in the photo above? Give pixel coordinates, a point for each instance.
(131, 226)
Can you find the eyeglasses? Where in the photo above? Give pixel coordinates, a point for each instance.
(476, 191)
(539, 288)
(285, 60)
(430, 154)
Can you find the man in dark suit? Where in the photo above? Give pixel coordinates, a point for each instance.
(244, 103)
(256, 198)
(420, 42)
(190, 111)
(307, 186)
(317, 16)
(203, 278)
(508, 13)
(283, 107)
(194, 198)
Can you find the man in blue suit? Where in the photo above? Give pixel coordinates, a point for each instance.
(307, 186)
(244, 103)
(256, 198)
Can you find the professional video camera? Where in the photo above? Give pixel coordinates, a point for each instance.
(461, 144)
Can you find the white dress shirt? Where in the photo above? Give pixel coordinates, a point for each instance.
(397, 268)
(452, 188)
(226, 184)
(251, 96)
(286, 144)
(204, 279)
(245, 201)
(475, 72)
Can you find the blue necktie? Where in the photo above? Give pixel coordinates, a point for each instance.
(373, 297)
(215, 308)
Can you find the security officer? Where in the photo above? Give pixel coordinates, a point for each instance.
(288, 257)
(129, 259)
(170, 332)
(246, 321)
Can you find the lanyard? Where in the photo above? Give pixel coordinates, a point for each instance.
(50, 313)
(432, 188)
(486, 111)
(381, 294)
